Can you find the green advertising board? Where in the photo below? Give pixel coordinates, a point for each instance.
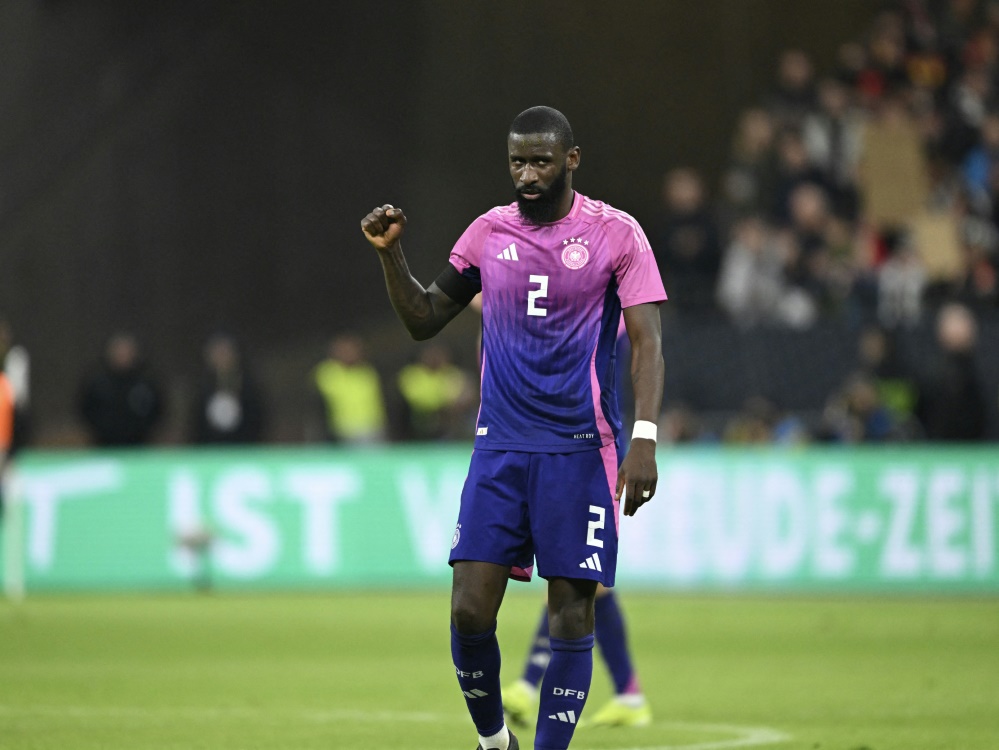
(875, 519)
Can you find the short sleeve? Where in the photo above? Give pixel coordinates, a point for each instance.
(466, 256)
(635, 268)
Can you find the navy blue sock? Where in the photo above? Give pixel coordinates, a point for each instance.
(541, 652)
(563, 692)
(613, 642)
(477, 664)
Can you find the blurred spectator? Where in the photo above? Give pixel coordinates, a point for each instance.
(680, 424)
(120, 403)
(832, 137)
(952, 404)
(856, 414)
(878, 362)
(15, 364)
(437, 395)
(794, 94)
(964, 116)
(885, 72)
(229, 406)
(809, 222)
(901, 282)
(851, 60)
(687, 245)
(351, 390)
(981, 164)
(793, 170)
(752, 287)
(753, 425)
(749, 182)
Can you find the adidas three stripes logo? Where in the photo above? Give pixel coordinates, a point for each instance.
(509, 252)
(569, 717)
(592, 562)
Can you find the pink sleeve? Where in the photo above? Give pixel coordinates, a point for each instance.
(467, 251)
(638, 278)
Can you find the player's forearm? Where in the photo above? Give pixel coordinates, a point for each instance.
(411, 302)
(648, 374)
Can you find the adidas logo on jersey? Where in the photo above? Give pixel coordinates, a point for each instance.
(509, 252)
(592, 562)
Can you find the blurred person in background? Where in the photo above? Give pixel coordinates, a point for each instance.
(885, 71)
(794, 169)
(878, 362)
(749, 180)
(753, 424)
(977, 282)
(687, 245)
(229, 406)
(832, 137)
(856, 414)
(15, 364)
(628, 707)
(901, 283)
(951, 404)
(351, 392)
(965, 112)
(752, 287)
(793, 96)
(437, 394)
(981, 164)
(120, 402)
(813, 270)
(679, 424)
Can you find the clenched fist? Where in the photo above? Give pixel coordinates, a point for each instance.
(383, 227)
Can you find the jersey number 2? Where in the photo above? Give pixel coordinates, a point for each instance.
(535, 294)
(594, 526)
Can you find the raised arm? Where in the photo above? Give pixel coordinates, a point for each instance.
(638, 474)
(424, 312)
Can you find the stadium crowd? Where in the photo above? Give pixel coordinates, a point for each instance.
(866, 196)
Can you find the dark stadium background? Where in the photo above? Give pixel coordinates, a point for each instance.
(173, 167)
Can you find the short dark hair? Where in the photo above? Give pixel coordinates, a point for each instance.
(544, 120)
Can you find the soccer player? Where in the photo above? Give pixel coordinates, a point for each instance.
(555, 270)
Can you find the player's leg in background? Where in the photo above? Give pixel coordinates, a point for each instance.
(567, 680)
(628, 707)
(520, 697)
(476, 594)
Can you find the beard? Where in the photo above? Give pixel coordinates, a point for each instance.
(543, 210)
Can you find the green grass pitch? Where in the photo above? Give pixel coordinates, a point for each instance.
(366, 671)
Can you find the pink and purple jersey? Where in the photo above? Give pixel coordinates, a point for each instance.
(552, 297)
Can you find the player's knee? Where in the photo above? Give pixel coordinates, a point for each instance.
(570, 623)
(468, 618)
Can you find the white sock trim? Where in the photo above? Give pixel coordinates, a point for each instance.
(500, 740)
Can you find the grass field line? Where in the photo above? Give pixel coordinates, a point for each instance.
(744, 736)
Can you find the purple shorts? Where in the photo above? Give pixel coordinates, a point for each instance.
(557, 508)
